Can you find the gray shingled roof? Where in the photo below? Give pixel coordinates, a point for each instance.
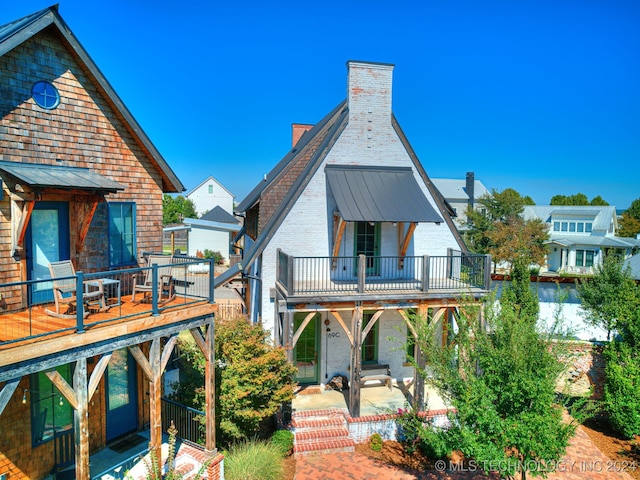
(219, 215)
(14, 33)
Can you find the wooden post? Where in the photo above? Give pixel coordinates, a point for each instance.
(210, 389)
(288, 335)
(362, 272)
(418, 393)
(155, 398)
(356, 347)
(81, 420)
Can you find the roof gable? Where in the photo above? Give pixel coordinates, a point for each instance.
(210, 178)
(17, 32)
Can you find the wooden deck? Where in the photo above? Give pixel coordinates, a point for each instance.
(29, 325)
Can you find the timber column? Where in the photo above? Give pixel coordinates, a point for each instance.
(356, 349)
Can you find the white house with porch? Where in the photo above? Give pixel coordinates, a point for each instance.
(347, 239)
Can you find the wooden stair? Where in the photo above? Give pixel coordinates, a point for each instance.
(320, 431)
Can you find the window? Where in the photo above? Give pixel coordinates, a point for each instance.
(564, 226)
(370, 343)
(572, 226)
(411, 346)
(580, 227)
(584, 258)
(50, 411)
(367, 242)
(210, 189)
(45, 95)
(122, 234)
(587, 227)
(556, 226)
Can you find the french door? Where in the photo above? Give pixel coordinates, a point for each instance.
(305, 353)
(46, 241)
(122, 398)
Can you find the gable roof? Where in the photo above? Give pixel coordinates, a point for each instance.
(210, 177)
(219, 215)
(602, 215)
(286, 181)
(15, 33)
(456, 189)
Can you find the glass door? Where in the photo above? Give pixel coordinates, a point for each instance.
(122, 399)
(367, 242)
(46, 241)
(305, 353)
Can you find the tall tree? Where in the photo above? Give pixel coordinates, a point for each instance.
(501, 380)
(599, 201)
(253, 379)
(519, 242)
(630, 222)
(176, 209)
(608, 297)
(492, 207)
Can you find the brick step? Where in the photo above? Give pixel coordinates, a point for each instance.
(321, 434)
(315, 423)
(324, 446)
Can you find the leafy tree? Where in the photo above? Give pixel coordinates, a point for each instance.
(528, 200)
(253, 379)
(577, 199)
(501, 380)
(518, 241)
(494, 207)
(630, 222)
(599, 201)
(608, 297)
(176, 209)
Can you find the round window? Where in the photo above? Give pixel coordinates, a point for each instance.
(45, 95)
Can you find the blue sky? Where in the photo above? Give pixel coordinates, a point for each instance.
(540, 96)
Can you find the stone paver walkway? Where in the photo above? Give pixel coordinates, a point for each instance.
(583, 460)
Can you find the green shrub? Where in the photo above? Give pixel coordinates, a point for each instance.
(375, 442)
(419, 434)
(253, 460)
(283, 439)
(217, 256)
(622, 388)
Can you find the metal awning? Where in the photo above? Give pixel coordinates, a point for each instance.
(54, 176)
(379, 194)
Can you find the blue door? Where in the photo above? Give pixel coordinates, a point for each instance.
(46, 241)
(122, 398)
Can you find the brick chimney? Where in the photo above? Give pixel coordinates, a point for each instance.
(297, 129)
(369, 92)
(471, 182)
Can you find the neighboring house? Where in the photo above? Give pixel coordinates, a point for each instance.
(633, 264)
(580, 236)
(210, 194)
(461, 195)
(347, 237)
(214, 231)
(79, 183)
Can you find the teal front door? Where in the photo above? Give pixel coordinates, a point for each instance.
(305, 352)
(46, 240)
(122, 398)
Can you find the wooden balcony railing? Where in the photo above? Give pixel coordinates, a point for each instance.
(457, 271)
(27, 309)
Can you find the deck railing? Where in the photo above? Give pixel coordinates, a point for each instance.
(27, 309)
(185, 419)
(341, 275)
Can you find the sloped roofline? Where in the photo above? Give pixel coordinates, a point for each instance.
(340, 117)
(210, 177)
(21, 30)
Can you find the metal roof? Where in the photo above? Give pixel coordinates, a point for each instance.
(54, 176)
(379, 194)
(220, 215)
(455, 189)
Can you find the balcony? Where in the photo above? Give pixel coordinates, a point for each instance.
(28, 313)
(359, 278)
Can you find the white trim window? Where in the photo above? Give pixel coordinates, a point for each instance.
(585, 258)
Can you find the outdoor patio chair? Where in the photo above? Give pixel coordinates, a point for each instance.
(64, 291)
(143, 281)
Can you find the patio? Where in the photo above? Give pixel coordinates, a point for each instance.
(375, 400)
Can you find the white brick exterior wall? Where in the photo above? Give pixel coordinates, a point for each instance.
(368, 139)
